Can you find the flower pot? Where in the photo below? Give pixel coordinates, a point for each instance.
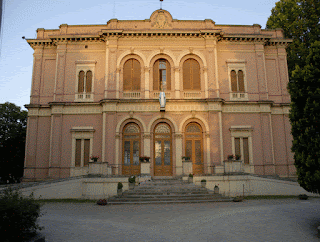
(119, 192)
(190, 179)
(102, 202)
(216, 190)
(203, 184)
(131, 186)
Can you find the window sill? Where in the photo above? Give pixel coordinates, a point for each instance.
(239, 96)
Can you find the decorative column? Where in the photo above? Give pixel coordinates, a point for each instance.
(116, 168)
(178, 138)
(205, 74)
(261, 70)
(146, 142)
(106, 75)
(36, 75)
(146, 82)
(207, 135)
(117, 82)
(216, 67)
(177, 82)
(60, 72)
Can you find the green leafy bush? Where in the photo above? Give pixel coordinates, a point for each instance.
(18, 216)
(203, 180)
(190, 175)
(132, 179)
(120, 185)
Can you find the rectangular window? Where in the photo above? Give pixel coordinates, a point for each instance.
(241, 147)
(82, 152)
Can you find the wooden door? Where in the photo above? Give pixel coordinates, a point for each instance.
(162, 150)
(131, 150)
(194, 147)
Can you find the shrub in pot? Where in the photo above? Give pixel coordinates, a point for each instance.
(203, 182)
(190, 178)
(119, 190)
(132, 181)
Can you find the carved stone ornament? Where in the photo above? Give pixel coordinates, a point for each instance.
(161, 21)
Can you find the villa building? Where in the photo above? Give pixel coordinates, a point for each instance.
(95, 92)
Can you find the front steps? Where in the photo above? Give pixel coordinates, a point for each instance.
(167, 191)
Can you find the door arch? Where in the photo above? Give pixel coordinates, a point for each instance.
(162, 150)
(131, 149)
(194, 147)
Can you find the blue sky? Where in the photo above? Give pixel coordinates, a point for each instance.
(23, 17)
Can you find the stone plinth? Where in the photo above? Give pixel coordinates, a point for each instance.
(145, 168)
(99, 168)
(187, 167)
(233, 166)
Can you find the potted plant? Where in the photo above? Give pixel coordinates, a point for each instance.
(94, 158)
(303, 196)
(102, 202)
(132, 182)
(144, 159)
(185, 159)
(203, 182)
(190, 178)
(238, 199)
(119, 190)
(216, 189)
(238, 157)
(230, 157)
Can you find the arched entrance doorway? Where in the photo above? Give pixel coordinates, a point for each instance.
(162, 150)
(131, 149)
(194, 147)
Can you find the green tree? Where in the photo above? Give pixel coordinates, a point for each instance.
(13, 124)
(305, 118)
(300, 21)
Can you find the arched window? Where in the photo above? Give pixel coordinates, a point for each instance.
(194, 146)
(131, 150)
(131, 75)
(161, 75)
(191, 75)
(237, 81)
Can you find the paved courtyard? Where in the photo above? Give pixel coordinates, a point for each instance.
(252, 220)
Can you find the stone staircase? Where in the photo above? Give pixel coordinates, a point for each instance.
(167, 190)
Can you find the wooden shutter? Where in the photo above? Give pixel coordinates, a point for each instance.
(156, 83)
(237, 146)
(86, 152)
(89, 81)
(127, 82)
(186, 75)
(241, 81)
(168, 75)
(81, 82)
(245, 151)
(78, 153)
(233, 81)
(136, 74)
(195, 70)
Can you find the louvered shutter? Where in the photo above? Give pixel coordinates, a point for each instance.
(186, 75)
(195, 67)
(168, 76)
(233, 81)
(81, 82)
(241, 81)
(156, 76)
(89, 81)
(127, 75)
(136, 73)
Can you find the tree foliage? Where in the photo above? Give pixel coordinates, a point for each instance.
(300, 21)
(18, 216)
(13, 124)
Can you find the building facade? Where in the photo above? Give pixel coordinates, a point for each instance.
(95, 91)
